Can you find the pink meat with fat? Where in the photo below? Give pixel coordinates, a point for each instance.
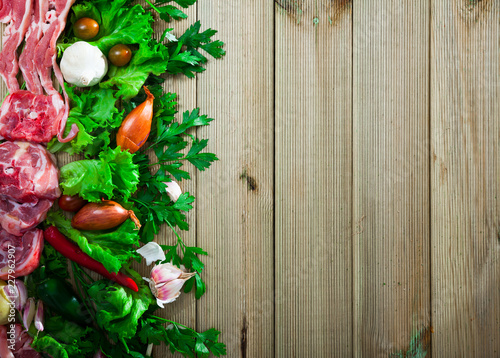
(18, 15)
(33, 36)
(43, 115)
(32, 117)
(22, 344)
(17, 218)
(5, 352)
(45, 56)
(27, 251)
(28, 173)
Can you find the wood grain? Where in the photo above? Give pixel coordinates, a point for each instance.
(235, 197)
(356, 201)
(313, 179)
(465, 134)
(391, 175)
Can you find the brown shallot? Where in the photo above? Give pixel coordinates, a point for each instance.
(136, 127)
(104, 215)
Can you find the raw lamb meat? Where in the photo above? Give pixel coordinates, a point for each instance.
(17, 218)
(45, 55)
(32, 117)
(18, 15)
(28, 249)
(28, 173)
(22, 344)
(33, 35)
(5, 352)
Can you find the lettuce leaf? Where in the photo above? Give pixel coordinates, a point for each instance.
(94, 112)
(151, 57)
(122, 23)
(91, 179)
(113, 248)
(113, 175)
(62, 338)
(119, 309)
(119, 23)
(50, 345)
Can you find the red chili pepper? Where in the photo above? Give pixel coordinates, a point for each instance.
(74, 253)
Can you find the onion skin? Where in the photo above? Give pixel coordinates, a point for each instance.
(104, 215)
(71, 203)
(135, 128)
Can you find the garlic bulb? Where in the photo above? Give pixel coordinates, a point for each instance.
(83, 65)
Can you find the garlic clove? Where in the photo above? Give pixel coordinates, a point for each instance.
(152, 252)
(166, 282)
(164, 273)
(23, 294)
(39, 316)
(29, 313)
(173, 190)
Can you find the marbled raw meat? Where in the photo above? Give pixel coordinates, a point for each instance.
(17, 218)
(31, 117)
(28, 173)
(27, 251)
(17, 14)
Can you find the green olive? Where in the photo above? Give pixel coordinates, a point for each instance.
(86, 28)
(120, 55)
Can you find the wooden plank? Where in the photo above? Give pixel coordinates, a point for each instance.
(465, 112)
(391, 175)
(235, 196)
(313, 179)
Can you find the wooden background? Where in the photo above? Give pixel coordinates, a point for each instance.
(356, 205)
(355, 208)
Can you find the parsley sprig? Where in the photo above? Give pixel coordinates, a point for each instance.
(180, 338)
(168, 12)
(185, 55)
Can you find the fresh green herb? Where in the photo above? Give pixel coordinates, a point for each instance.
(168, 12)
(63, 338)
(185, 56)
(171, 138)
(180, 338)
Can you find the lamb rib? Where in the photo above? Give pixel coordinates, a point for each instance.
(46, 55)
(33, 36)
(18, 15)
